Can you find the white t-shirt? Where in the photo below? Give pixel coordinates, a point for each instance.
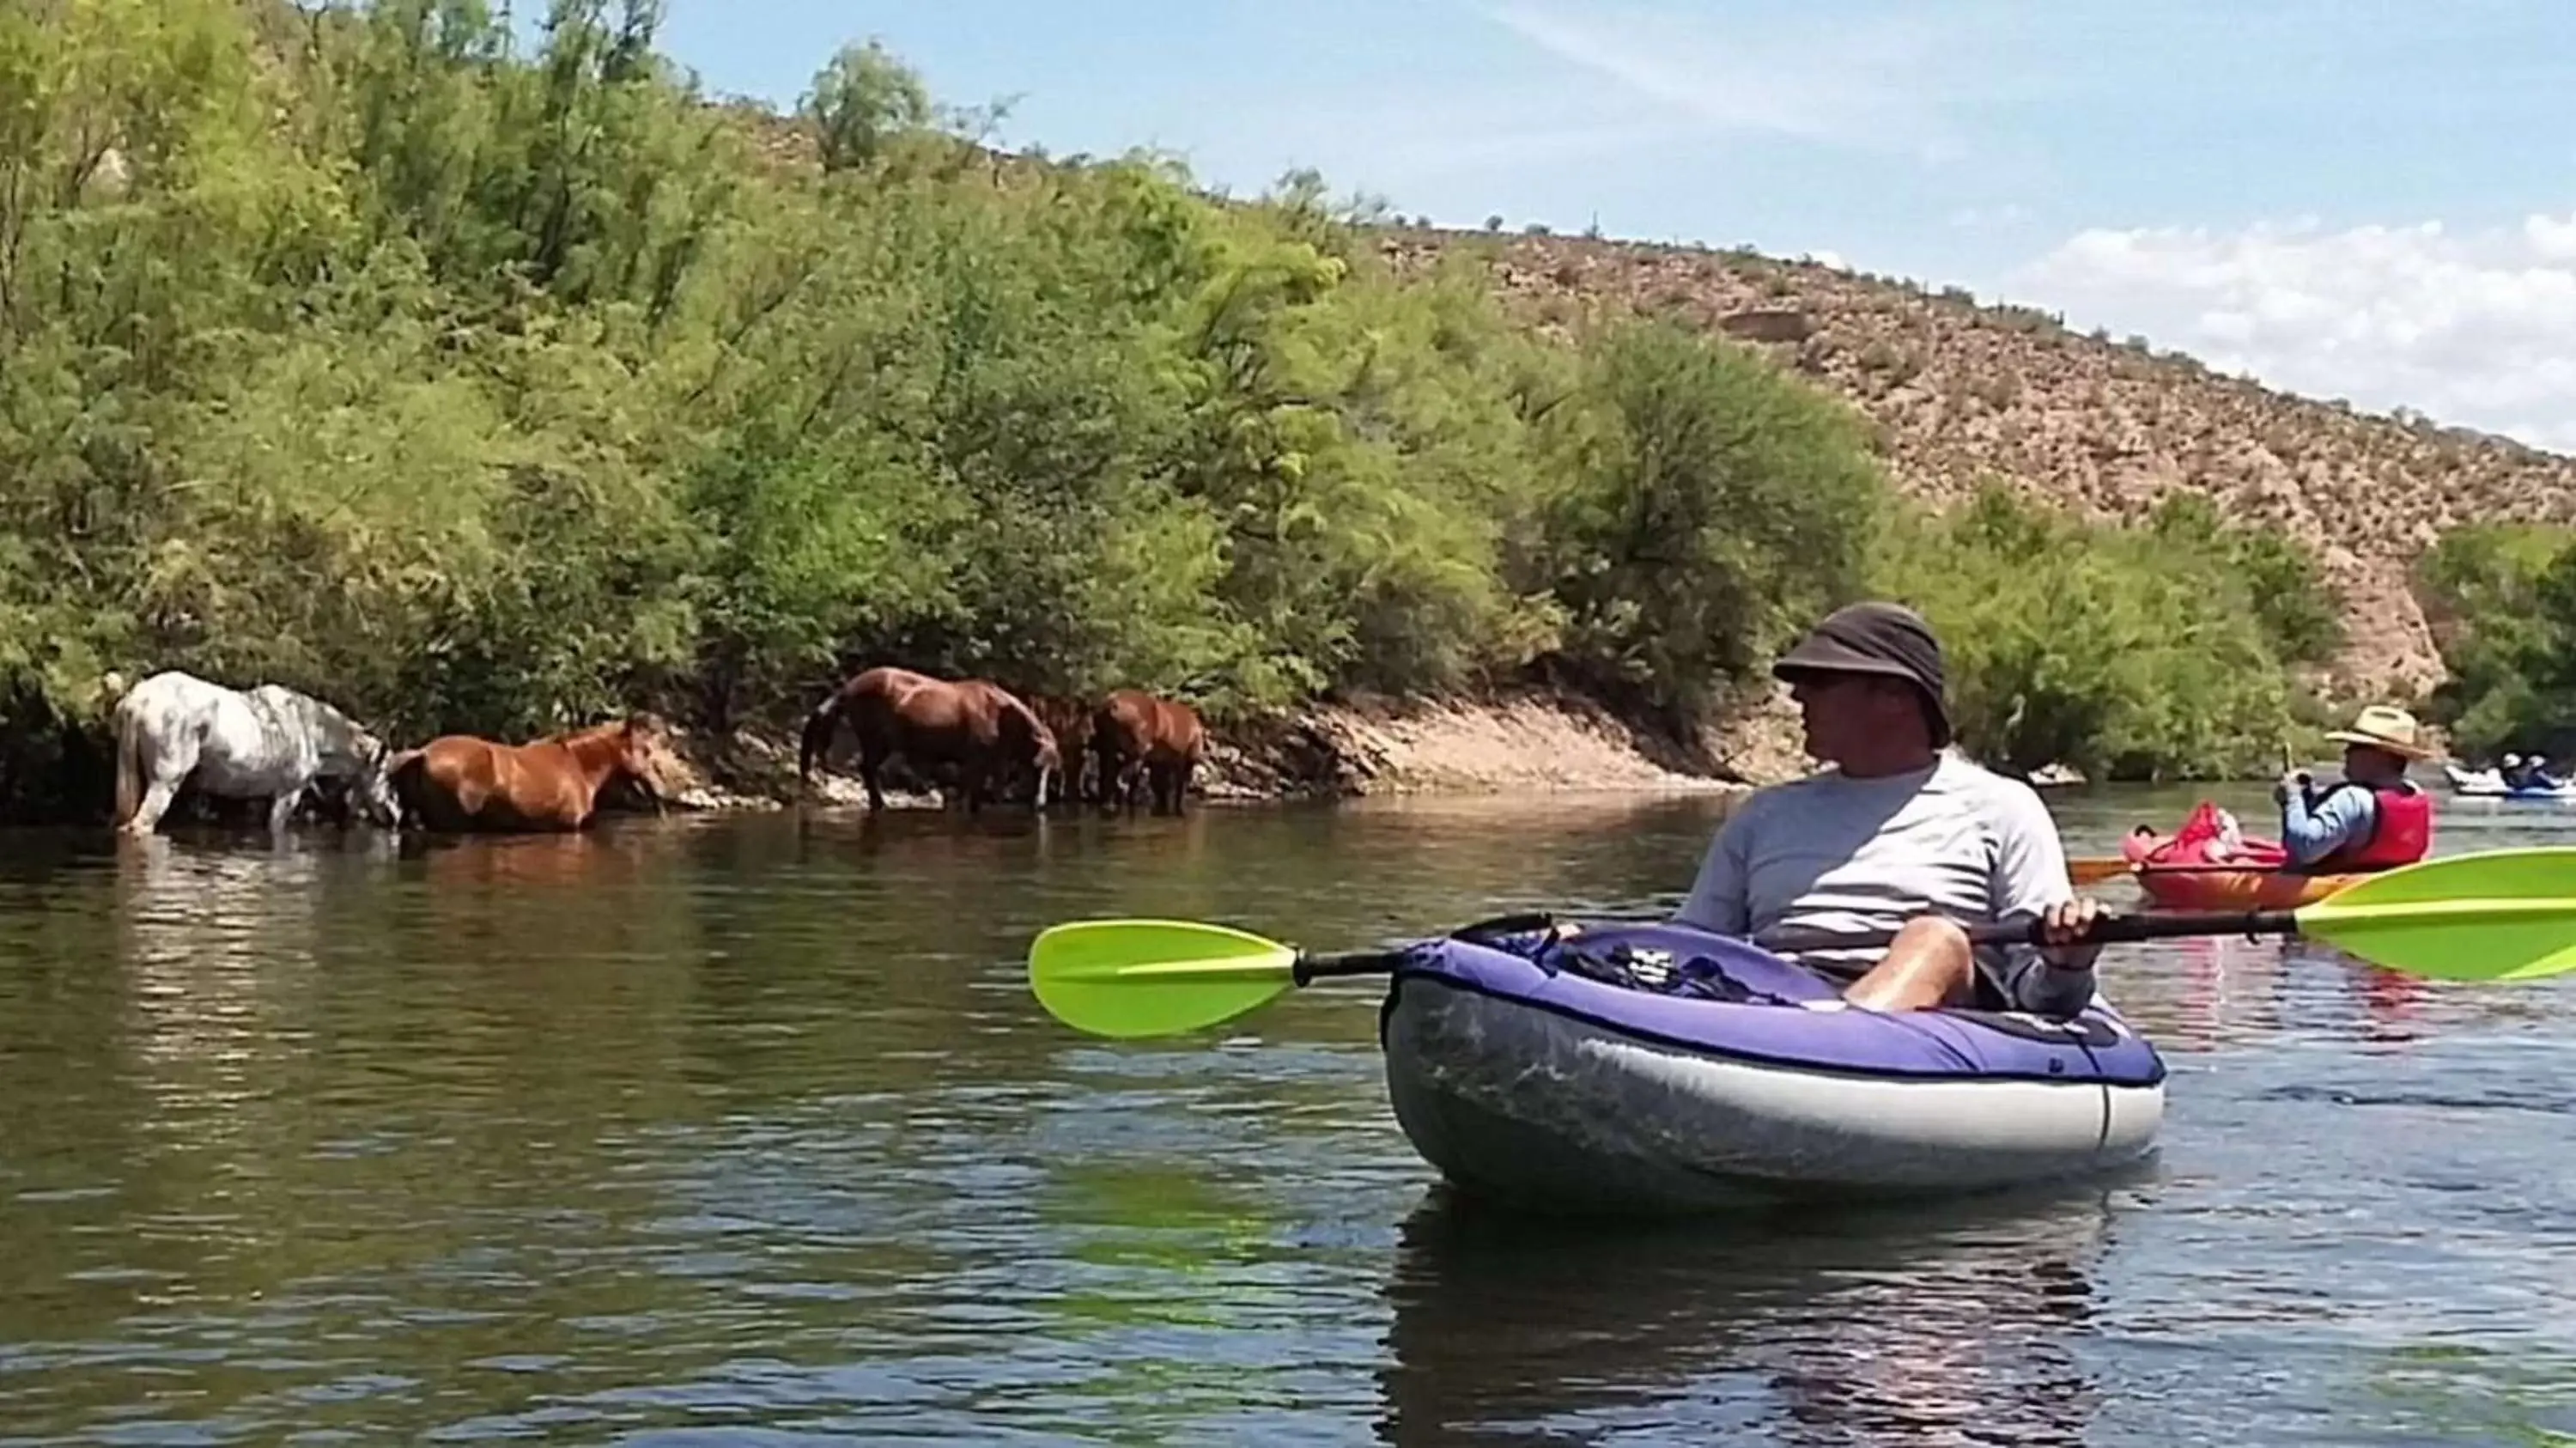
(1847, 855)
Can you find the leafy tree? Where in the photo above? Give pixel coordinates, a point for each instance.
(1710, 507)
(2127, 653)
(861, 102)
(2300, 613)
(2502, 602)
(479, 386)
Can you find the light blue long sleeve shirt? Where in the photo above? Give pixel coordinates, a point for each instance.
(2315, 826)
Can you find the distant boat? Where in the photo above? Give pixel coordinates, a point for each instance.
(2489, 784)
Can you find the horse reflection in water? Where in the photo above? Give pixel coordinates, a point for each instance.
(915, 854)
(554, 898)
(509, 864)
(224, 949)
(1849, 1327)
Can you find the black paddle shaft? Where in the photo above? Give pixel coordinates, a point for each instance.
(1358, 962)
(2108, 930)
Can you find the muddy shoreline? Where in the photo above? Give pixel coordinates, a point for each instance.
(1534, 741)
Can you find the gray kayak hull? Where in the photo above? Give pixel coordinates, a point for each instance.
(1551, 1111)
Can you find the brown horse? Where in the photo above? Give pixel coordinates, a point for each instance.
(1133, 733)
(461, 782)
(975, 725)
(1070, 721)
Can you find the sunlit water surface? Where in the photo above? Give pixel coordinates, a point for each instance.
(746, 1130)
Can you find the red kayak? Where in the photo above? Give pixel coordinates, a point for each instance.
(2209, 865)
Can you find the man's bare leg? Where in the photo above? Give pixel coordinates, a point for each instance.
(1928, 964)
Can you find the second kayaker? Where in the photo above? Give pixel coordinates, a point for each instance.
(2374, 818)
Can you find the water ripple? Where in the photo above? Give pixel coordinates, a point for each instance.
(747, 1132)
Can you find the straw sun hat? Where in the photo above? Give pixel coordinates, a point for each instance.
(2384, 726)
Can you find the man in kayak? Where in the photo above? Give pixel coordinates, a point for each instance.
(2527, 772)
(2374, 818)
(1899, 833)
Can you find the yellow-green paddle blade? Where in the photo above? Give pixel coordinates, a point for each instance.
(2498, 915)
(1154, 977)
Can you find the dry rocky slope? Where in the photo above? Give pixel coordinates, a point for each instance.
(1958, 390)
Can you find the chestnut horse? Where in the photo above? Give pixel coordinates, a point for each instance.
(1070, 721)
(1133, 733)
(464, 783)
(974, 724)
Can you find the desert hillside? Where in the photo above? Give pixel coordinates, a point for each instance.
(1961, 390)
(1958, 390)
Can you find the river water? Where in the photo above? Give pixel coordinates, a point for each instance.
(745, 1130)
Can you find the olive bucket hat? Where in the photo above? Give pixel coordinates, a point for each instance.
(1881, 638)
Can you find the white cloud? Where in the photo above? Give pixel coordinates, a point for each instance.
(1865, 84)
(2475, 328)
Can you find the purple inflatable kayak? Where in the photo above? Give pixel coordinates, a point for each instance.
(1655, 1067)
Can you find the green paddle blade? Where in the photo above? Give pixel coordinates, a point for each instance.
(1154, 977)
(2500, 915)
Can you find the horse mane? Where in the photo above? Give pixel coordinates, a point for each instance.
(587, 741)
(640, 722)
(321, 716)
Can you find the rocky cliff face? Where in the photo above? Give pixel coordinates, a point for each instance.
(1958, 390)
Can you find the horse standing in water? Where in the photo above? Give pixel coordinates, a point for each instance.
(271, 742)
(977, 725)
(458, 782)
(1069, 720)
(1135, 733)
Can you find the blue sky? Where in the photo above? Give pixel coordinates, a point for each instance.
(2346, 197)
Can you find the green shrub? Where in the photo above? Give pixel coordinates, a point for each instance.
(473, 390)
(2501, 599)
(2129, 653)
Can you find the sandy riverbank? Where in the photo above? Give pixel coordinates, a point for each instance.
(1523, 741)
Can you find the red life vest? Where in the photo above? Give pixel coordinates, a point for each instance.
(2401, 832)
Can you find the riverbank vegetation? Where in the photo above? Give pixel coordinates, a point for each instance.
(477, 386)
(2502, 602)
(2155, 651)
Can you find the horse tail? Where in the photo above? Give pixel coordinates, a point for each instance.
(1037, 728)
(129, 764)
(403, 769)
(817, 739)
